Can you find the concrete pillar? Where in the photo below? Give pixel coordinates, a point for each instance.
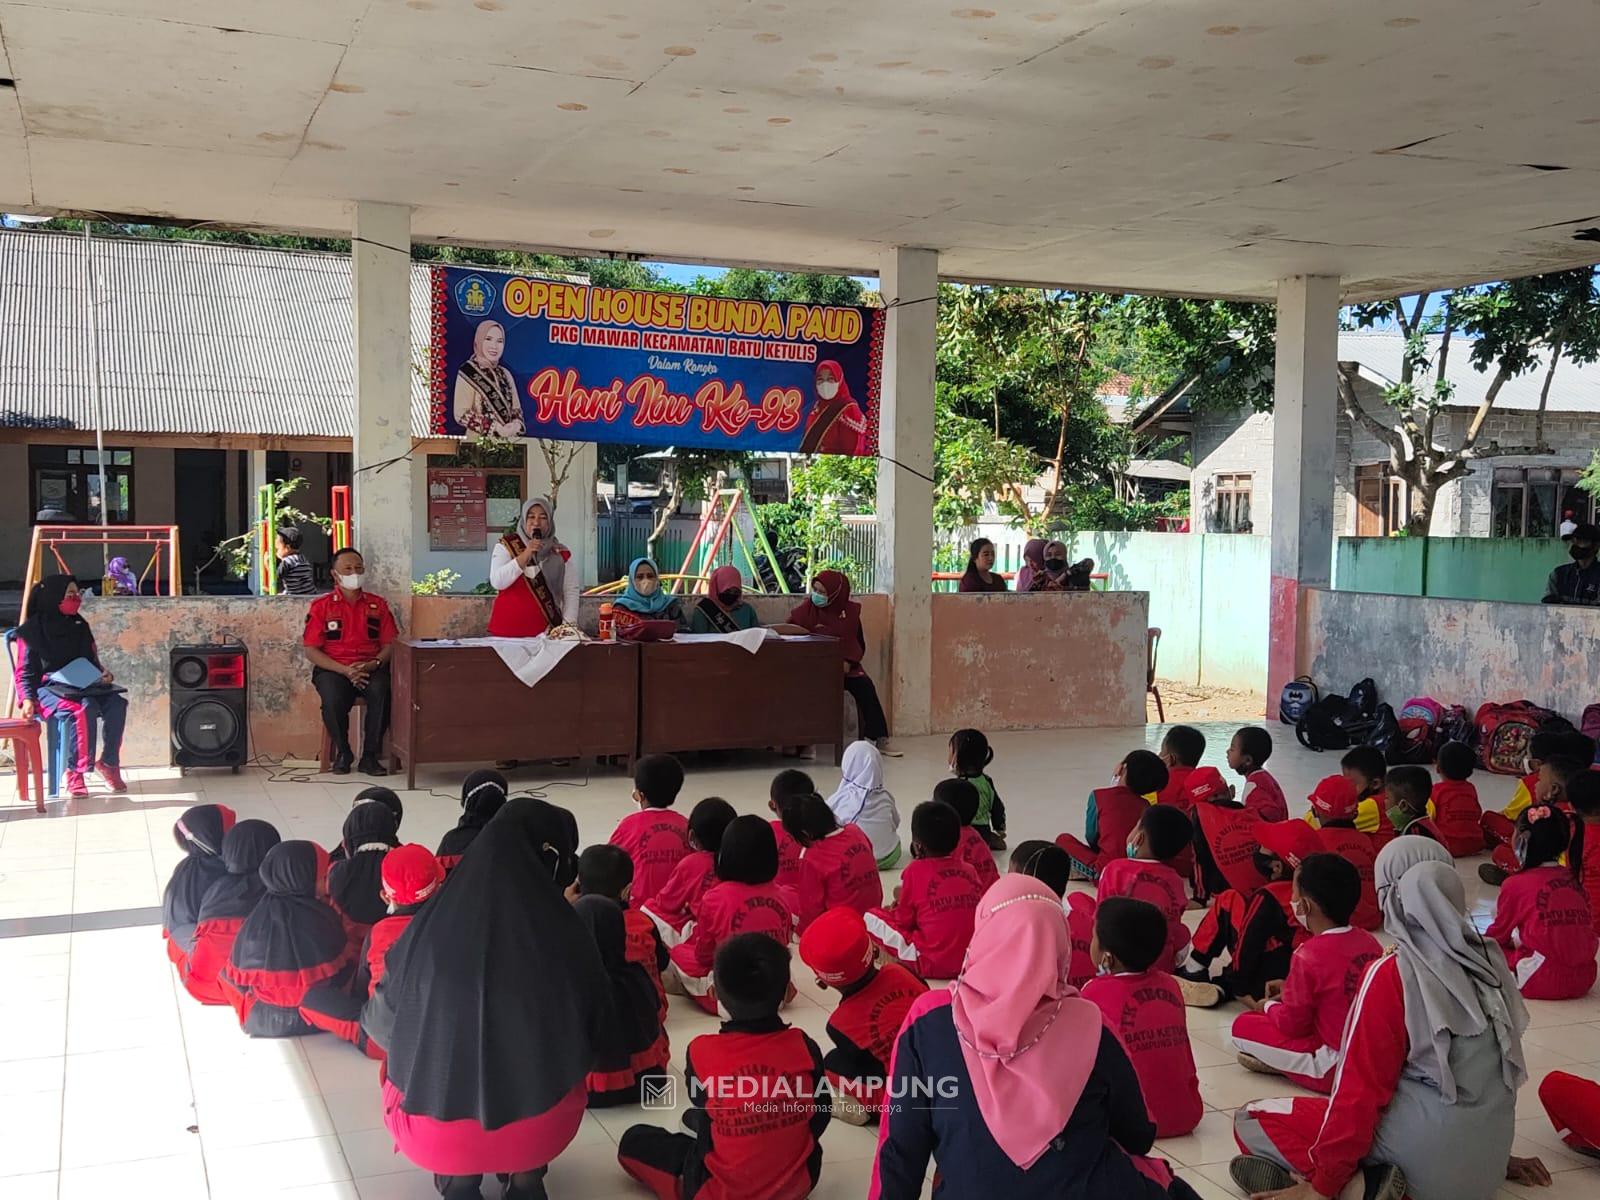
(258, 480)
(909, 280)
(1304, 433)
(575, 507)
(381, 501)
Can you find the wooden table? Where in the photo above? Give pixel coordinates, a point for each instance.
(706, 696)
(462, 704)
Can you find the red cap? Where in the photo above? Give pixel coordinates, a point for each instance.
(1204, 785)
(1292, 841)
(1335, 799)
(836, 946)
(410, 874)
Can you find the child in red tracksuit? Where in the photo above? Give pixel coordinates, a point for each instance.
(1454, 801)
(1407, 790)
(1573, 1105)
(1550, 785)
(1144, 1008)
(757, 1104)
(1114, 812)
(410, 875)
(1335, 805)
(656, 837)
(1498, 827)
(786, 786)
(929, 924)
(1298, 1029)
(973, 848)
(606, 870)
(837, 865)
(1181, 750)
(1365, 768)
(673, 907)
(1583, 856)
(1224, 838)
(1542, 920)
(1259, 931)
(873, 1002)
(1162, 834)
(746, 901)
(1247, 755)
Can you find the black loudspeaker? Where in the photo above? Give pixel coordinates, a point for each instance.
(210, 705)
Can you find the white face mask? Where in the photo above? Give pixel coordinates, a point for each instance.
(645, 587)
(352, 582)
(1301, 915)
(828, 389)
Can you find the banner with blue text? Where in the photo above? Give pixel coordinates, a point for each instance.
(519, 357)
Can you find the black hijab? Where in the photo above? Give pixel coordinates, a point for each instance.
(290, 929)
(356, 881)
(384, 796)
(483, 793)
(636, 1013)
(497, 960)
(236, 893)
(55, 638)
(200, 832)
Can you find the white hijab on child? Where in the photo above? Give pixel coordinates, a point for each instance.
(1456, 983)
(862, 771)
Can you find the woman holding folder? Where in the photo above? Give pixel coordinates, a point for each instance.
(54, 639)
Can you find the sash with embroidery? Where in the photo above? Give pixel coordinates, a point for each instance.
(819, 428)
(542, 594)
(722, 622)
(496, 393)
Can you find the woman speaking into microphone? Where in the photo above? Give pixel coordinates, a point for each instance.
(534, 577)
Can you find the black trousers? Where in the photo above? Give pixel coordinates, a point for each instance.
(339, 697)
(869, 712)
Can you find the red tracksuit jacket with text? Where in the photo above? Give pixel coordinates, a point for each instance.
(864, 1028)
(1145, 1010)
(788, 857)
(938, 901)
(675, 903)
(657, 839)
(1176, 793)
(731, 908)
(838, 871)
(1264, 797)
(1458, 815)
(1543, 911)
(1157, 884)
(975, 852)
(1324, 976)
(1359, 851)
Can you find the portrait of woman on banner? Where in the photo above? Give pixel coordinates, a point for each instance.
(486, 394)
(836, 425)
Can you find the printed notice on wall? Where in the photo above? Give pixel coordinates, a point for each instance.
(456, 509)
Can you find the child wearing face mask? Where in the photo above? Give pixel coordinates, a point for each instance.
(1542, 920)
(1409, 809)
(1142, 1005)
(1162, 835)
(1297, 1029)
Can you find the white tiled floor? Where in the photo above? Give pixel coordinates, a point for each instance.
(112, 1082)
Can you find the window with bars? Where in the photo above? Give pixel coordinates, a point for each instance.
(1231, 503)
(1533, 501)
(66, 480)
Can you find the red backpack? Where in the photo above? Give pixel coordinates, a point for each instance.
(1419, 720)
(1504, 731)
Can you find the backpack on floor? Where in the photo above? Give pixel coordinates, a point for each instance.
(1504, 731)
(1364, 697)
(1333, 723)
(1419, 719)
(1385, 735)
(1297, 697)
(1455, 725)
(1589, 724)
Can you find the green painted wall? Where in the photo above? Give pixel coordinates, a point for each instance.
(1509, 569)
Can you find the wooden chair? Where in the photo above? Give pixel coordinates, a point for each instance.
(1152, 641)
(28, 752)
(325, 754)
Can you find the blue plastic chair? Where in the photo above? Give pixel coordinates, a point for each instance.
(58, 731)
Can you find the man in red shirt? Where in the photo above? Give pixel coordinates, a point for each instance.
(348, 640)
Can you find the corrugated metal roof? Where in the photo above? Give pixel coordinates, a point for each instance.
(1575, 388)
(195, 338)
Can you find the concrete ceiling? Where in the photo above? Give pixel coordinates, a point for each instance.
(1169, 145)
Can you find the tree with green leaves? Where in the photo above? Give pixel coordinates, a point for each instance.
(1517, 326)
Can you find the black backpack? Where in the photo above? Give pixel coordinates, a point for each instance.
(1385, 735)
(1333, 723)
(1364, 698)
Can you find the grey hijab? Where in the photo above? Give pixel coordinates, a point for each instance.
(551, 564)
(1456, 983)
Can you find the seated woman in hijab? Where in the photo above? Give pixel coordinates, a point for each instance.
(1046, 1102)
(1032, 563)
(199, 833)
(223, 910)
(644, 599)
(288, 944)
(55, 636)
(535, 580)
(635, 1046)
(724, 610)
(1425, 1102)
(461, 991)
(355, 883)
(483, 793)
(829, 611)
(980, 575)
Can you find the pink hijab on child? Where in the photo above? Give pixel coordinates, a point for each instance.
(1028, 1039)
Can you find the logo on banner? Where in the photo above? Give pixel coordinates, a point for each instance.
(474, 295)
